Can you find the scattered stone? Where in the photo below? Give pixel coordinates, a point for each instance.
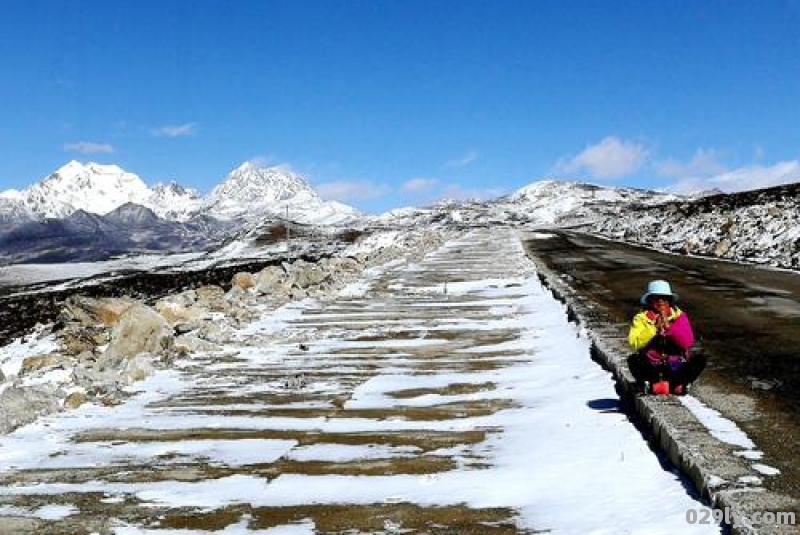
(90, 311)
(207, 293)
(174, 312)
(138, 368)
(111, 342)
(52, 360)
(75, 400)
(183, 328)
(243, 280)
(296, 382)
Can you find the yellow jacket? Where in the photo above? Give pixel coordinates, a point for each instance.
(643, 328)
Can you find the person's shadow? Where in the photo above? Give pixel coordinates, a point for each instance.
(605, 405)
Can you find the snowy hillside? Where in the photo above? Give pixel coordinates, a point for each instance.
(761, 226)
(563, 202)
(546, 203)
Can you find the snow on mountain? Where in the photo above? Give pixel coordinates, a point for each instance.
(93, 188)
(546, 203)
(251, 192)
(174, 202)
(12, 208)
(760, 226)
(563, 201)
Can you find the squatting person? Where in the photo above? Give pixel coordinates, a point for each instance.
(662, 338)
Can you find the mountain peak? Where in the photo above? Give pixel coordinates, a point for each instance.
(249, 185)
(92, 187)
(246, 167)
(249, 191)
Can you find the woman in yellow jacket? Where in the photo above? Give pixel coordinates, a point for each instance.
(662, 337)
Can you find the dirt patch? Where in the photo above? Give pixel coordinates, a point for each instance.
(375, 518)
(445, 411)
(449, 390)
(424, 440)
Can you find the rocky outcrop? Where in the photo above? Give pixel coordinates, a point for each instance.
(105, 344)
(761, 227)
(22, 405)
(89, 311)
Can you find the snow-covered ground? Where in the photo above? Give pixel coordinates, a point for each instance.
(452, 382)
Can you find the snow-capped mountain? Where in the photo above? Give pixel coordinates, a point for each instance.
(252, 192)
(96, 189)
(82, 209)
(174, 202)
(92, 211)
(93, 188)
(249, 192)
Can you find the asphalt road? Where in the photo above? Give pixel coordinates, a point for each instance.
(747, 318)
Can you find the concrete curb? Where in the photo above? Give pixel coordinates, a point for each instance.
(724, 480)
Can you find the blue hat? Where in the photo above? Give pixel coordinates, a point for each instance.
(659, 288)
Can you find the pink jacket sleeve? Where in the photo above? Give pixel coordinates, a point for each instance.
(680, 332)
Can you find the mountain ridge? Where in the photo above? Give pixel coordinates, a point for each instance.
(248, 192)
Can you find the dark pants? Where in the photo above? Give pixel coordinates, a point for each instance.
(643, 370)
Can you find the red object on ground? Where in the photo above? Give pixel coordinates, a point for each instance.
(661, 388)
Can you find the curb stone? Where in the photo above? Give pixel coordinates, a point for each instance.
(710, 464)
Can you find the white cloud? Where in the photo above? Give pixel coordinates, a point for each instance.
(419, 185)
(610, 158)
(459, 193)
(742, 179)
(88, 147)
(704, 163)
(183, 130)
(352, 190)
(464, 160)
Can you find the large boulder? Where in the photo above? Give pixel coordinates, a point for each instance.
(91, 311)
(270, 280)
(209, 293)
(243, 280)
(176, 312)
(41, 362)
(77, 338)
(20, 405)
(310, 275)
(140, 330)
(137, 368)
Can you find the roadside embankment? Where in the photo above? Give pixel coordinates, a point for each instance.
(721, 470)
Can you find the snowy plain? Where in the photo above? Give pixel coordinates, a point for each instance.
(567, 459)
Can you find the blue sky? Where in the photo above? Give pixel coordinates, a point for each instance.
(383, 104)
